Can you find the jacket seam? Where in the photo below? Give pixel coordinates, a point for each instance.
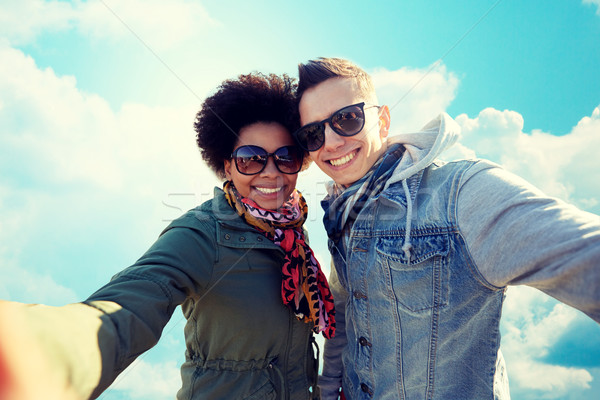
(141, 276)
(454, 212)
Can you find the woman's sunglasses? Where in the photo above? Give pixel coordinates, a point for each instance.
(251, 160)
(347, 121)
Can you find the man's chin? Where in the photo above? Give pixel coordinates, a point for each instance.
(343, 179)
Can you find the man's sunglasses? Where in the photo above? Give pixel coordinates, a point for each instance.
(347, 121)
(251, 160)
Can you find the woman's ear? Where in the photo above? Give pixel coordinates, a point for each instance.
(227, 164)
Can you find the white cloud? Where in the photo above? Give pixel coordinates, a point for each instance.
(415, 96)
(22, 21)
(49, 126)
(19, 284)
(78, 177)
(55, 133)
(593, 2)
(157, 23)
(143, 380)
(562, 166)
(554, 380)
(533, 323)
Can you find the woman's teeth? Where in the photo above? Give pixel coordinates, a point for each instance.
(267, 190)
(342, 160)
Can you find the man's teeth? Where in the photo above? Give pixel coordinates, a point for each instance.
(268, 190)
(342, 160)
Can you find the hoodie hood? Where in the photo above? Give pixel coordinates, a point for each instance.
(424, 147)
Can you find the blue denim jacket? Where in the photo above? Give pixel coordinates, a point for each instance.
(407, 319)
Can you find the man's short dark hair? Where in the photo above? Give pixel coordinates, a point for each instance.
(316, 71)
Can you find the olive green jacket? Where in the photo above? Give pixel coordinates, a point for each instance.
(241, 341)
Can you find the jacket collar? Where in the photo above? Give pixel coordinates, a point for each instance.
(224, 213)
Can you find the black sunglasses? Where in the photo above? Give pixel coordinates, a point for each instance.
(252, 160)
(347, 121)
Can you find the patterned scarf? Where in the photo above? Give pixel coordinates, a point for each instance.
(342, 205)
(304, 287)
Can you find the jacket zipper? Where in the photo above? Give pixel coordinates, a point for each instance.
(287, 354)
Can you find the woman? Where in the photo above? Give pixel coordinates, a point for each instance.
(249, 286)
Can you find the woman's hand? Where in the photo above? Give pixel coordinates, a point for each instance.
(25, 370)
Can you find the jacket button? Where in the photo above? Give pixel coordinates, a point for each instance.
(365, 388)
(364, 342)
(242, 239)
(359, 295)
(227, 236)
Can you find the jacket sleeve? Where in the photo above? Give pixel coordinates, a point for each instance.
(48, 352)
(330, 380)
(516, 235)
(87, 345)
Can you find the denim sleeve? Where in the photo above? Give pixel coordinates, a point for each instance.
(516, 235)
(330, 380)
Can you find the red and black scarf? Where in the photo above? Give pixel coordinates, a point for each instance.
(304, 287)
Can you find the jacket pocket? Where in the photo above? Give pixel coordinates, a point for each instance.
(421, 282)
(265, 392)
(229, 380)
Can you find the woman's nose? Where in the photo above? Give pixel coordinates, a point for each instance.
(270, 169)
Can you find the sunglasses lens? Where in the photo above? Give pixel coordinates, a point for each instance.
(288, 159)
(311, 137)
(348, 121)
(250, 159)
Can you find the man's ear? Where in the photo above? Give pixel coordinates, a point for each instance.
(384, 121)
(228, 164)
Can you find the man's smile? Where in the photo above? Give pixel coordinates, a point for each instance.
(338, 162)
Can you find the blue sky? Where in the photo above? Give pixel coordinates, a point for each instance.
(97, 100)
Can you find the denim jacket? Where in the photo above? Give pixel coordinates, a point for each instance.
(424, 324)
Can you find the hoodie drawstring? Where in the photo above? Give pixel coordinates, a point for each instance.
(409, 209)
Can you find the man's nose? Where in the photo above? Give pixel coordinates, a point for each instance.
(332, 139)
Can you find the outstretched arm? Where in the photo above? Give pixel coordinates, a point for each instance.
(76, 351)
(29, 354)
(518, 236)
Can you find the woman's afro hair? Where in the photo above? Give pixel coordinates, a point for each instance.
(238, 103)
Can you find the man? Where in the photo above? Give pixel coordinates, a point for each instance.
(423, 250)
